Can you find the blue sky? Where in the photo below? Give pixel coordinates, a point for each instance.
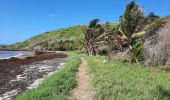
(22, 19)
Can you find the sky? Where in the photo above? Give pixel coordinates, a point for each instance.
(22, 19)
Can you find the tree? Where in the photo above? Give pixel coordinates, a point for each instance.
(151, 17)
(130, 22)
(111, 37)
(91, 33)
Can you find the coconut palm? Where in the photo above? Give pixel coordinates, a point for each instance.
(91, 33)
(130, 21)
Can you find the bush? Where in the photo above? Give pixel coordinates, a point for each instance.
(137, 53)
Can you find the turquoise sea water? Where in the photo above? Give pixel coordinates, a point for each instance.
(9, 54)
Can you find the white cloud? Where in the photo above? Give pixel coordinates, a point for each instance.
(52, 16)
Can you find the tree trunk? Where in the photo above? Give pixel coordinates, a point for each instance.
(90, 49)
(131, 42)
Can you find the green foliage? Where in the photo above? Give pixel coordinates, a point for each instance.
(65, 45)
(137, 51)
(3, 46)
(57, 86)
(91, 34)
(20, 45)
(125, 81)
(155, 25)
(93, 31)
(66, 32)
(130, 19)
(146, 20)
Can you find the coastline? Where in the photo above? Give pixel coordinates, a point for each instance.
(18, 54)
(11, 68)
(13, 50)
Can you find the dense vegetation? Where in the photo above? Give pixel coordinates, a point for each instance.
(121, 36)
(117, 80)
(125, 35)
(57, 86)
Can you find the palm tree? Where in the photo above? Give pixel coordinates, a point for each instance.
(130, 21)
(91, 33)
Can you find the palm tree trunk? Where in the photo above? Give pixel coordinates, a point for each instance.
(131, 42)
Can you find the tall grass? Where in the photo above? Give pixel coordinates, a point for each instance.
(126, 81)
(57, 86)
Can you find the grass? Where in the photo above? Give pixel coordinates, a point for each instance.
(57, 86)
(138, 34)
(125, 81)
(155, 25)
(66, 32)
(70, 33)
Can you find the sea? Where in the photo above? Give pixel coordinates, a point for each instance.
(9, 54)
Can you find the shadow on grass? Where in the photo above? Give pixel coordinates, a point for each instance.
(163, 93)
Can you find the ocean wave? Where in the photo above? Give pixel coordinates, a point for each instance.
(16, 56)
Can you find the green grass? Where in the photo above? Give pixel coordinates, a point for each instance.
(155, 25)
(125, 81)
(66, 32)
(57, 86)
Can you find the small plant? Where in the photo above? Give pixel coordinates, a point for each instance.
(136, 55)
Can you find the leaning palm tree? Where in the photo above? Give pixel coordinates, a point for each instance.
(130, 21)
(91, 33)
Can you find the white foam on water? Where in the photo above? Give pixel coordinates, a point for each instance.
(16, 56)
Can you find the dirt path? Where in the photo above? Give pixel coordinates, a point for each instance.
(83, 90)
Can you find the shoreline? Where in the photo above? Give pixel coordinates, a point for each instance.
(13, 50)
(24, 56)
(19, 54)
(11, 68)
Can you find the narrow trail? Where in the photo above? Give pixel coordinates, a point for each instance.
(83, 90)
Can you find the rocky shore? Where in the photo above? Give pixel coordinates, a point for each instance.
(17, 75)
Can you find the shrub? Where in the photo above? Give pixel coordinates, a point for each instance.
(137, 51)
